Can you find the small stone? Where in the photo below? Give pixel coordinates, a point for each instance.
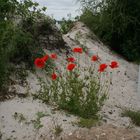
(13, 131)
(64, 120)
(70, 134)
(110, 112)
(103, 134)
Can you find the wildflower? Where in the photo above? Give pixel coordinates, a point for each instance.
(94, 58)
(114, 64)
(53, 56)
(54, 76)
(102, 67)
(71, 66)
(39, 62)
(45, 58)
(77, 50)
(71, 59)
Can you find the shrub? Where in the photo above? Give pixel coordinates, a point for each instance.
(80, 91)
(116, 23)
(3, 69)
(16, 44)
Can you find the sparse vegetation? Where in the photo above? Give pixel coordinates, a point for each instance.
(88, 123)
(19, 117)
(37, 122)
(57, 130)
(133, 115)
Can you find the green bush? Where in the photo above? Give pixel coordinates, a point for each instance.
(116, 22)
(25, 49)
(17, 44)
(3, 68)
(6, 32)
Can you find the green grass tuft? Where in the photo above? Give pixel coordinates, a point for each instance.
(134, 115)
(88, 123)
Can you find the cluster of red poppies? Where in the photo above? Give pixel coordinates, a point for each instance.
(78, 50)
(40, 62)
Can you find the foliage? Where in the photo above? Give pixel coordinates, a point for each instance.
(3, 69)
(37, 122)
(49, 67)
(66, 25)
(88, 123)
(134, 115)
(57, 129)
(117, 23)
(17, 44)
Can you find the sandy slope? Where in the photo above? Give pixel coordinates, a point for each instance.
(122, 94)
(123, 91)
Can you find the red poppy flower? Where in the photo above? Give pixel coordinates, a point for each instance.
(94, 58)
(45, 58)
(53, 56)
(54, 76)
(102, 67)
(114, 64)
(71, 66)
(77, 50)
(39, 62)
(71, 59)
